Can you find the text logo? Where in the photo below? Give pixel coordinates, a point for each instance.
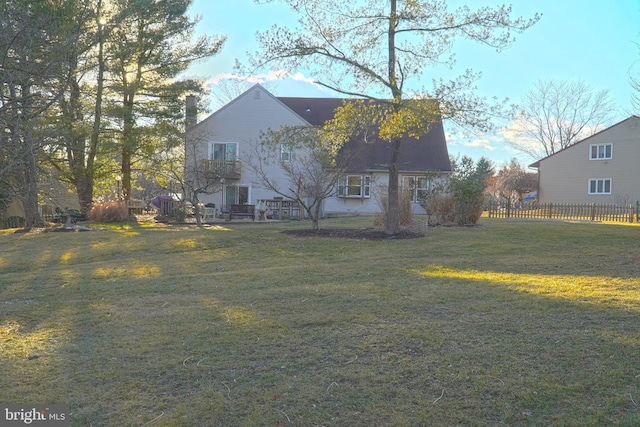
(34, 415)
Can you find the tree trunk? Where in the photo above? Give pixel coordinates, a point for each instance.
(196, 208)
(125, 168)
(393, 197)
(315, 220)
(84, 190)
(29, 196)
(27, 176)
(128, 143)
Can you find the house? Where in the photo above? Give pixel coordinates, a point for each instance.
(53, 195)
(602, 168)
(223, 141)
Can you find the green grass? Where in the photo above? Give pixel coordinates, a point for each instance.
(505, 324)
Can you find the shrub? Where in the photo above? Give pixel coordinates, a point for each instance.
(109, 212)
(405, 213)
(461, 202)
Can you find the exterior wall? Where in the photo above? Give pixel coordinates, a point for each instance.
(370, 205)
(240, 122)
(564, 177)
(366, 205)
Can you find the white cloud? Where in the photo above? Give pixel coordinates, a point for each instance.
(302, 78)
(255, 78)
(262, 78)
(514, 135)
(471, 141)
(278, 82)
(483, 143)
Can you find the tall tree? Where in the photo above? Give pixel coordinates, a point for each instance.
(149, 49)
(79, 109)
(33, 43)
(379, 50)
(558, 113)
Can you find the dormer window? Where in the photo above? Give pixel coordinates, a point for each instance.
(600, 151)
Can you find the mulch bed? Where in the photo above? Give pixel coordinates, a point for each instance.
(354, 233)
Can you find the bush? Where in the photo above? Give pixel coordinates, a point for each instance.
(109, 212)
(405, 213)
(461, 202)
(461, 205)
(440, 208)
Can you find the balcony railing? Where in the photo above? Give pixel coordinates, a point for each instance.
(227, 169)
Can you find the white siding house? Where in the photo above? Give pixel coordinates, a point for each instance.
(226, 137)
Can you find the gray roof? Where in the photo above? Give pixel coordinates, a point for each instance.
(427, 153)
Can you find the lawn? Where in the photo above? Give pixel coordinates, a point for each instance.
(509, 323)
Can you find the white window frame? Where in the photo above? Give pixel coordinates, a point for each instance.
(599, 151)
(212, 149)
(285, 153)
(599, 186)
(417, 191)
(350, 189)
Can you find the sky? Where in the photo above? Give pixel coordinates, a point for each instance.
(596, 41)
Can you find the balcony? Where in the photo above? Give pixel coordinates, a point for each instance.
(216, 169)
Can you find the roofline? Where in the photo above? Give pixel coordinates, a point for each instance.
(234, 100)
(536, 164)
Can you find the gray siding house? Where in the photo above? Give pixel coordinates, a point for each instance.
(228, 135)
(602, 168)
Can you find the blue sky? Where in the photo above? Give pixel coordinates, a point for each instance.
(596, 41)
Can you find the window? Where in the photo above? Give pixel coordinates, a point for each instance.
(285, 153)
(223, 150)
(417, 187)
(600, 186)
(356, 186)
(600, 151)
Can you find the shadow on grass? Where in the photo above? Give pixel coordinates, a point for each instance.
(197, 328)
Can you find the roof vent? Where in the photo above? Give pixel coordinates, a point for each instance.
(256, 94)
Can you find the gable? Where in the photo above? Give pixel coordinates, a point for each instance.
(618, 131)
(243, 118)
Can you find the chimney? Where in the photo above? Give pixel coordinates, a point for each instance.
(191, 111)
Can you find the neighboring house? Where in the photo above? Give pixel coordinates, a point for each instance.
(53, 195)
(223, 141)
(602, 168)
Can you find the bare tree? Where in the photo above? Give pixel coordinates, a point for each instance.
(308, 160)
(377, 50)
(512, 182)
(556, 114)
(192, 176)
(635, 95)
